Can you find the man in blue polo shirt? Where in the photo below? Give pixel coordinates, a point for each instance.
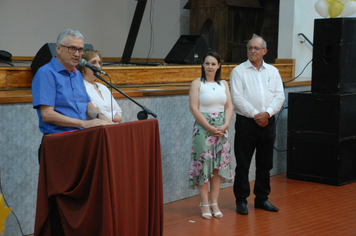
(58, 90)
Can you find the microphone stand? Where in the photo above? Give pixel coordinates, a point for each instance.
(141, 115)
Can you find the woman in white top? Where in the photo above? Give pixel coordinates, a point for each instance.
(210, 103)
(99, 94)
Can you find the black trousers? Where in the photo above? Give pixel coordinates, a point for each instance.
(248, 138)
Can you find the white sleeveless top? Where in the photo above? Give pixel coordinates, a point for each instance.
(212, 97)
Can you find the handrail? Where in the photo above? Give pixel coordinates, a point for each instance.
(305, 38)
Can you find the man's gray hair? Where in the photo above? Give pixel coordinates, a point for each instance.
(62, 36)
(264, 44)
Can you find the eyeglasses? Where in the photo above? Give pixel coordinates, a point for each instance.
(250, 48)
(72, 49)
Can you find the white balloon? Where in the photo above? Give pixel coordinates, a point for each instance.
(321, 7)
(344, 1)
(349, 9)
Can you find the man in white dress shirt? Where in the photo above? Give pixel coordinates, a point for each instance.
(257, 95)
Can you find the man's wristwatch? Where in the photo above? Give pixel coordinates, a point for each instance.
(97, 115)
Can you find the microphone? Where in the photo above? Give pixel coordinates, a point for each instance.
(84, 63)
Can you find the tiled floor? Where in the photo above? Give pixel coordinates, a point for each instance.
(306, 208)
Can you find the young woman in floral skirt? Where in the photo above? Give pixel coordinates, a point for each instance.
(210, 103)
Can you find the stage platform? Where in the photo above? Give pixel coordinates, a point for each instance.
(134, 80)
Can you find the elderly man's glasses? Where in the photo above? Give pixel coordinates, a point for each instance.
(72, 49)
(250, 48)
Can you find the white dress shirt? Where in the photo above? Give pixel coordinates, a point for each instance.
(104, 105)
(254, 91)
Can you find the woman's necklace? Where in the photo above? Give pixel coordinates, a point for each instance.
(212, 85)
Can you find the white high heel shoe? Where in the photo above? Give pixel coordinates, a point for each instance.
(218, 214)
(207, 216)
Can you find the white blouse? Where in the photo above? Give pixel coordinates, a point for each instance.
(104, 105)
(212, 97)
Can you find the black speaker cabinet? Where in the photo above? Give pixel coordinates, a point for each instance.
(45, 54)
(331, 115)
(334, 56)
(5, 56)
(189, 49)
(321, 160)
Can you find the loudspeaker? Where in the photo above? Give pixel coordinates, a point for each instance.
(189, 49)
(321, 137)
(5, 56)
(321, 160)
(334, 55)
(330, 115)
(45, 54)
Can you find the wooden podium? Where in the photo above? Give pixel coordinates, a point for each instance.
(104, 180)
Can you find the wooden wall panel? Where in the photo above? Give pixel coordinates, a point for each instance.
(149, 75)
(19, 79)
(3, 79)
(234, 25)
(139, 75)
(135, 81)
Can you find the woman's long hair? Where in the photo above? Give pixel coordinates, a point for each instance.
(217, 78)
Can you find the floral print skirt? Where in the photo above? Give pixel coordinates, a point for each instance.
(209, 153)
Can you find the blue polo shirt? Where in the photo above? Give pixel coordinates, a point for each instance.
(54, 86)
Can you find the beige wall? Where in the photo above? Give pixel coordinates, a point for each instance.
(297, 16)
(26, 25)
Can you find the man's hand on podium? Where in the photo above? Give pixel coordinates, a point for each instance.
(96, 122)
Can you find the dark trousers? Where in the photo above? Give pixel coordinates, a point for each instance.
(248, 138)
